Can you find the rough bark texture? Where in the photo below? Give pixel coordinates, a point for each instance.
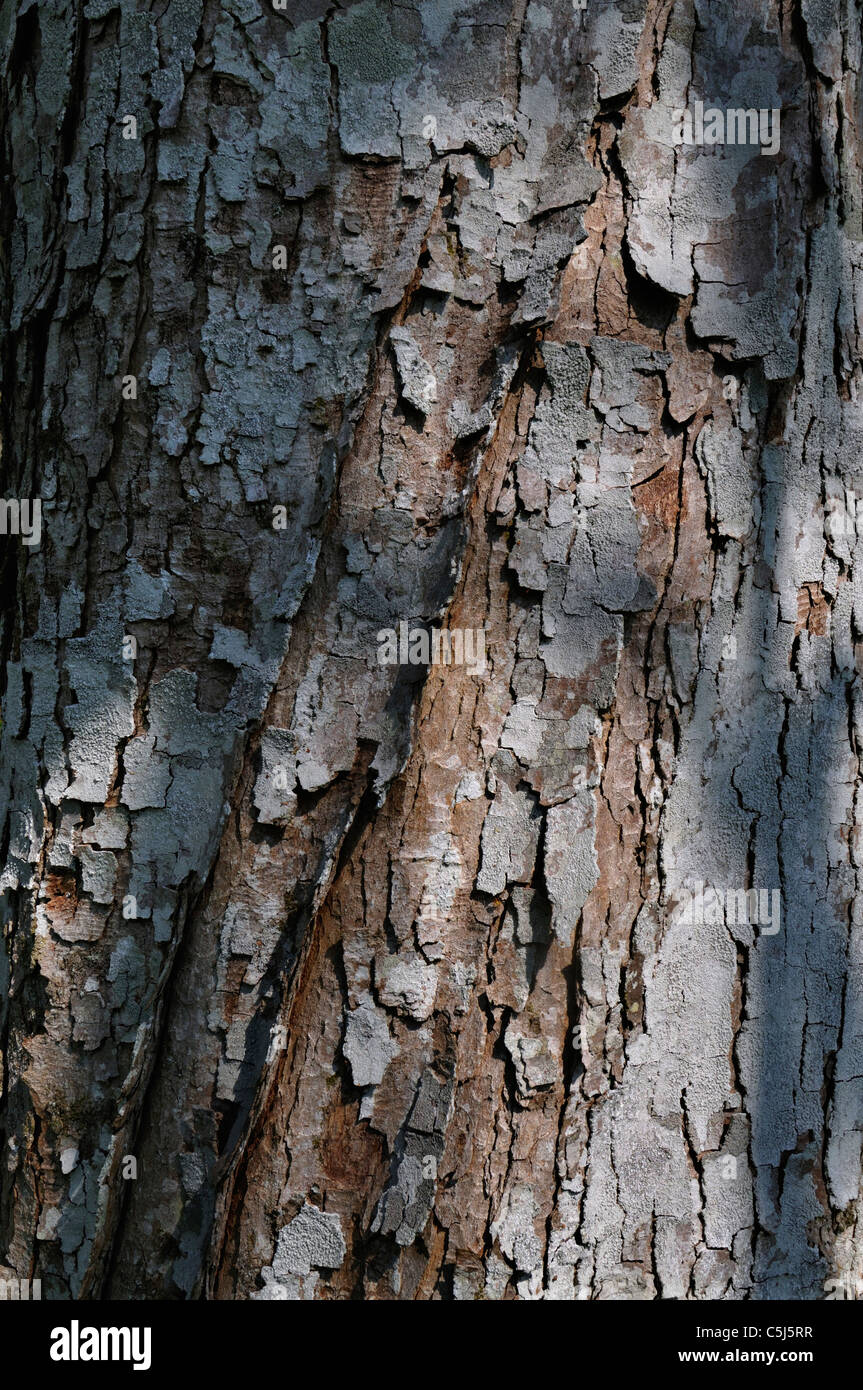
(380, 973)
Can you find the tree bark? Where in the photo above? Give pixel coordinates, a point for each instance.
(327, 977)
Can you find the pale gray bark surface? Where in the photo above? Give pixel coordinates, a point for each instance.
(380, 974)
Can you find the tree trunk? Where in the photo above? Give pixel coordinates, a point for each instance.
(333, 970)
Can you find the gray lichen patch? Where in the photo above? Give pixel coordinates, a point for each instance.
(409, 985)
(571, 868)
(98, 874)
(367, 1046)
(419, 386)
(406, 1202)
(275, 789)
(312, 1240)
